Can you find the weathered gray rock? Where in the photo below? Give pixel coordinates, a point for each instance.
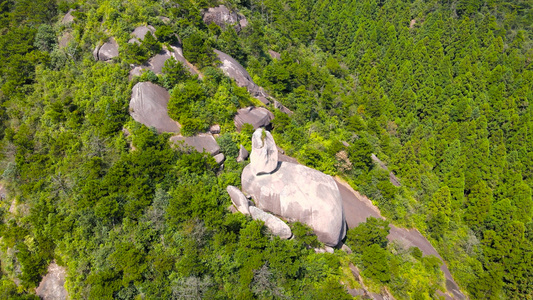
(238, 199)
(107, 51)
(243, 154)
(148, 106)
(68, 18)
(233, 69)
(200, 143)
(52, 286)
(264, 156)
(256, 116)
(214, 129)
(219, 158)
(156, 63)
(282, 108)
(140, 32)
(223, 17)
(299, 193)
(273, 223)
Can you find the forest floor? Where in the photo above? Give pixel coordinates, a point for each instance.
(358, 207)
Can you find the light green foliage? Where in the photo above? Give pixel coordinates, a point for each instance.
(443, 102)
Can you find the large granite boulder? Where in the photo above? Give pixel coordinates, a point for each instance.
(200, 143)
(233, 69)
(299, 193)
(238, 199)
(140, 32)
(273, 223)
(256, 116)
(148, 106)
(264, 156)
(293, 191)
(223, 17)
(107, 51)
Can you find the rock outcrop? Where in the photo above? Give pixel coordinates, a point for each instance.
(200, 143)
(264, 157)
(233, 69)
(148, 106)
(52, 286)
(65, 39)
(156, 63)
(275, 55)
(238, 199)
(243, 154)
(223, 17)
(273, 223)
(392, 178)
(107, 51)
(296, 193)
(256, 116)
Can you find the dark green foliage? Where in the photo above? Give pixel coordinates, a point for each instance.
(198, 50)
(373, 231)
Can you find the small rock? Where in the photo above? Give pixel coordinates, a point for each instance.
(238, 199)
(214, 129)
(219, 158)
(273, 223)
(243, 154)
(264, 156)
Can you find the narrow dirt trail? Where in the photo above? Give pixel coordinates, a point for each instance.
(358, 207)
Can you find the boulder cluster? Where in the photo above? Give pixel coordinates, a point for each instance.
(290, 191)
(223, 17)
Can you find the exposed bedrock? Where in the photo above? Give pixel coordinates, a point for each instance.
(140, 32)
(156, 63)
(273, 223)
(264, 157)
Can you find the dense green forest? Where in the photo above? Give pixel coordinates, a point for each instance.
(439, 90)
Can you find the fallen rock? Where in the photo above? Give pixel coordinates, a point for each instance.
(140, 32)
(273, 223)
(256, 116)
(219, 158)
(200, 143)
(52, 286)
(238, 199)
(243, 154)
(68, 18)
(282, 108)
(148, 106)
(233, 69)
(107, 51)
(223, 17)
(214, 129)
(264, 156)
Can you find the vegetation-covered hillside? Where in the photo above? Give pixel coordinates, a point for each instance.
(438, 90)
